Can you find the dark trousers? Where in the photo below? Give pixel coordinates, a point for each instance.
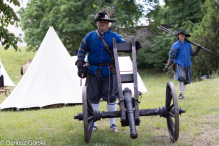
(98, 87)
(183, 74)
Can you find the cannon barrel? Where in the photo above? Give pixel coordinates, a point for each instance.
(130, 114)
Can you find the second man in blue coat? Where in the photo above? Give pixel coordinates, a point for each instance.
(180, 56)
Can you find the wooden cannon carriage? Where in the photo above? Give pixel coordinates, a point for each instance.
(129, 112)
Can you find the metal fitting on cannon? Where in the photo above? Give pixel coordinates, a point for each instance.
(163, 112)
(79, 116)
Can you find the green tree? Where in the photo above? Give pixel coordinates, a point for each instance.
(8, 16)
(175, 14)
(72, 20)
(208, 36)
(156, 55)
(184, 13)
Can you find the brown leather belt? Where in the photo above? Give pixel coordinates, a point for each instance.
(102, 64)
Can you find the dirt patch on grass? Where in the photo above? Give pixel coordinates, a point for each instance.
(200, 131)
(207, 132)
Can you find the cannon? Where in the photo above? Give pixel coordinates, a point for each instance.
(129, 112)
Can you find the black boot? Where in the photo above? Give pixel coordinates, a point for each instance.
(181, 96)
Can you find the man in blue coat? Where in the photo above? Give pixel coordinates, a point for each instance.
(179, 56)
(101, 80)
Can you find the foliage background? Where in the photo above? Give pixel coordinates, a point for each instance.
(208, 35)
(8, 16)
(72, 20)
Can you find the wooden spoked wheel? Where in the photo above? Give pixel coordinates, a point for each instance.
(87, 115)
(172, 112)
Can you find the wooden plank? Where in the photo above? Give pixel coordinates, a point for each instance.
(124, 47)
(119, 83)
(127, 78)
(134, 63)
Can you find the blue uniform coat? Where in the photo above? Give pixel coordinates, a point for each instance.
(180, 53)
(97, 53)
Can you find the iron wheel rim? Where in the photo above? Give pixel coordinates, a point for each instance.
(172, 102)
(87, 115)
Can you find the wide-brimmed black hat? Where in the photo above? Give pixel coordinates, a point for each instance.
(102, 16)
(182, 31)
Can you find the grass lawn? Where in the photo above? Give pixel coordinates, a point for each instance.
(198, 126)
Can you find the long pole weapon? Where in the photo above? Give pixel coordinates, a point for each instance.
(170, 32)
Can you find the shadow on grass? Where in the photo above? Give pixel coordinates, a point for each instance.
(53, 106)
(107, 137)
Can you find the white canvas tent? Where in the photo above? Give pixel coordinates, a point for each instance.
(49, 79)
(125, 65)
(7, 79)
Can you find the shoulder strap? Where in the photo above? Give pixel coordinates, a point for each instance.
(105, 46)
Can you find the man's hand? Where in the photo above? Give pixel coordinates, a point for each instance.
(199, 47)
(169, 63)
(79, 64)
(81, 72)
(138, 45)
(166, 68)
(197, 50)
